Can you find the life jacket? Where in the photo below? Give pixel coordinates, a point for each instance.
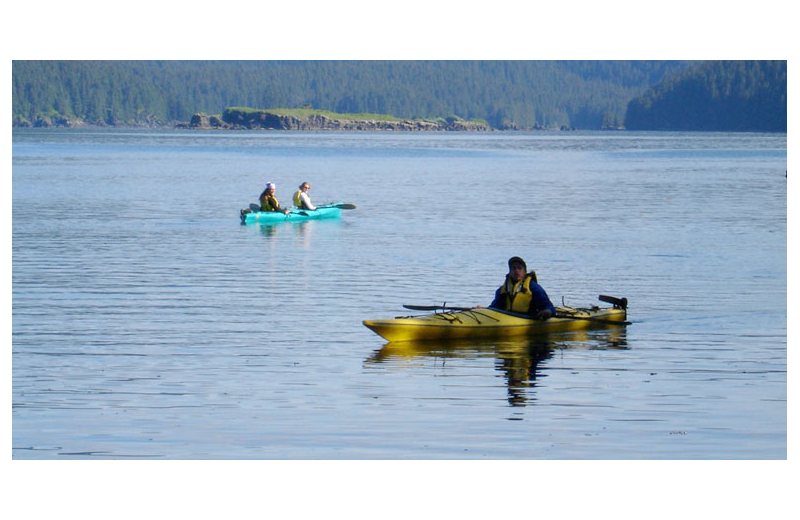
(518, 295)
(298, 202)
(269, 203)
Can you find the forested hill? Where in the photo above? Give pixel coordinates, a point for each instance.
(718, 95)
(507, 94)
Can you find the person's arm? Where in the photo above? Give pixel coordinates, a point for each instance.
(307, 201)
(498, 302)
(542, 306)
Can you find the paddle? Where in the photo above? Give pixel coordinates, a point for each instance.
(340, 205)
(436, 308)
(302, 211)
(557, 315)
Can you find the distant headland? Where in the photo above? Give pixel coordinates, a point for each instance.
(244, 118)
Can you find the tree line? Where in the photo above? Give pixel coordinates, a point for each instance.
(506, 94)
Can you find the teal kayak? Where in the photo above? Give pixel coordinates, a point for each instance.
(295, 215)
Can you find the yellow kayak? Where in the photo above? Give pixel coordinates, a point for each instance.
(460, 323)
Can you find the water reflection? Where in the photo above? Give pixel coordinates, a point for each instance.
(302, 231)
(522, 362)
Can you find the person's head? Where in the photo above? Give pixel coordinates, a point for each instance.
(271, 187)
(517, 268)
(305, 186)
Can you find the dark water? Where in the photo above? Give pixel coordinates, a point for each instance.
(148, 323)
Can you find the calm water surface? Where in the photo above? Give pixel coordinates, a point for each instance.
(149, 323)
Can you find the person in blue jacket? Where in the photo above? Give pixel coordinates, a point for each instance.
(520, 292)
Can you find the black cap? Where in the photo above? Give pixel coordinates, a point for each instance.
(516, 260)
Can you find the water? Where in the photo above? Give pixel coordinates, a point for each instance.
(149, 324)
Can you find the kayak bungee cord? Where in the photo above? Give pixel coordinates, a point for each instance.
(450, 317)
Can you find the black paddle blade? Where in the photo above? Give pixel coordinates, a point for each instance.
(345, 206)
(255, 207)
(622, 303)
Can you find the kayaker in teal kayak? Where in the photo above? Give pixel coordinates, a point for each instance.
(268, 200)
(301, 199)
(520, 292)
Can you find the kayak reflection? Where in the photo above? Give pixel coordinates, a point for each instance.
(303, 230)
(521, 361)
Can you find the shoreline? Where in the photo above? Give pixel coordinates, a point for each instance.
(248, 119)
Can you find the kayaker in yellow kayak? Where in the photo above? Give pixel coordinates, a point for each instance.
(268, 200)
(301, 199)
(520, 292)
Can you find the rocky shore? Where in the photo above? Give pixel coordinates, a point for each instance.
(263, 120)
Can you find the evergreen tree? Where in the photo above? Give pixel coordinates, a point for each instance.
(718, 95)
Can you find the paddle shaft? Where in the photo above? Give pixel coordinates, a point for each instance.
(256, 207)
(557, 315)
(302, 211)
(436, 308)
